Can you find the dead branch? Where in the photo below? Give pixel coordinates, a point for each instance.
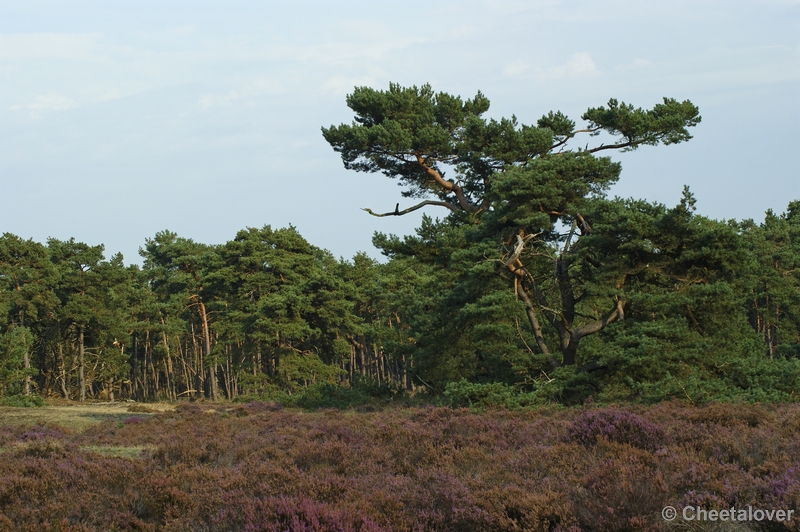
(398, 212)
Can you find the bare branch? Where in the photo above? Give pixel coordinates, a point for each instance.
(614, 146)
(571, 135)
(398, 212)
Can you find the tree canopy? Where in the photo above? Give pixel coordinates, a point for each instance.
(414, 134)
(518, 182)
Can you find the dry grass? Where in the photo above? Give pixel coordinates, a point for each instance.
(75, 417)
(118, 451)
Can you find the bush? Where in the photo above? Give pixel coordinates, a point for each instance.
(267, 392)
(260, 407)
(328, 395)
(140, 409)
(491, 395)
(620, 426)
(23, 401)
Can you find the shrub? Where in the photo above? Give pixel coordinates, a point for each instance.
(43, 432)
(491, 395)
(299, 514)
(620, 426)
(622, 493)
(188, 409)
(140, 409)
(23, 401)
(260, 407)
(328, 395)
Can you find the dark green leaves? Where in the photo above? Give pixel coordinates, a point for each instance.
(666, 123)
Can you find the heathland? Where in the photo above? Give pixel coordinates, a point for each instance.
(257, 466)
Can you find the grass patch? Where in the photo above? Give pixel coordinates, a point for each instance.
(118, 451)
(73, 417)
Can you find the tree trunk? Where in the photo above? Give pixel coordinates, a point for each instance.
(63, 379)
(168, 366)
(26, 359)
(197, 362)
(569, 348)
(212, 370)
(135, 390)
(562, 321)
(81, 375)
(533, 319)
(352, 362)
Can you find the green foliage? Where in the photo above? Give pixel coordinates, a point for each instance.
(666, 122)
(321, 395)
(392, 127)
(328, 395)
(13, 345)
(491, 395)
(23, 401)
(297, 369)
(774, 281)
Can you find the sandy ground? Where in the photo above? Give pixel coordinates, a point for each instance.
(77, 416)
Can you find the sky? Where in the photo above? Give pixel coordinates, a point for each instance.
(121, 119)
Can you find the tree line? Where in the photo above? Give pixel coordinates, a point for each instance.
(264, 310)
(535, 284)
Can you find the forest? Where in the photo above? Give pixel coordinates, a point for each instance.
(533, 287)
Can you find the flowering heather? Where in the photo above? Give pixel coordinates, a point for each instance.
(621, 426)
(257, 467)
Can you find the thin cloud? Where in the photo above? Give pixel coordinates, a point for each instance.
(48, 102)
(340, 85)
(515, 69)
(63, 46)
(578, 65)
(208, 100)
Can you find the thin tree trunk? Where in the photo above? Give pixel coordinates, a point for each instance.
(198, 363)
(26, 359)
(146, 366)
(187, 379)
(63, 379)
(168, 365)
(352, 362)
(212, 370)
(134, 367)
(81, 376)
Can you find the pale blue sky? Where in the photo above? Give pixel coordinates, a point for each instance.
(120, 119)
